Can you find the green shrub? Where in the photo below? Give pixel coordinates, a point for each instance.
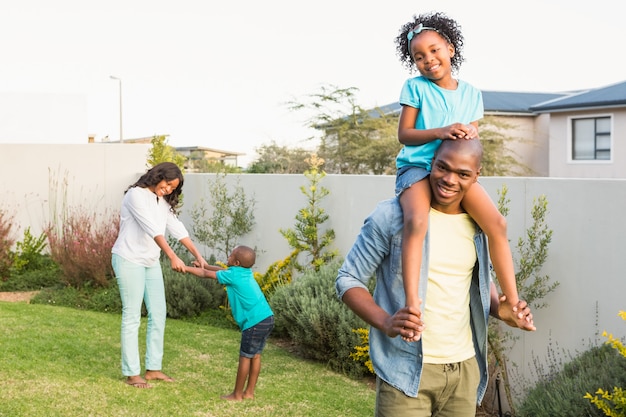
(189, 296)
(611, 403)
(319, 324)
(64, 297)
(104, 300)
(46, 277)
(562, 393)
(31, 269)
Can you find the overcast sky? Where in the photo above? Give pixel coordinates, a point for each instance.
(218, 74)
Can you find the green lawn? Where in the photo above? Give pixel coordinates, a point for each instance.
(57, 361)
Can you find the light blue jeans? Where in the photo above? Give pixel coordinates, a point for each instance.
(138, 283)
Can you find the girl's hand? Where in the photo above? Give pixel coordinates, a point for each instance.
(460, 131)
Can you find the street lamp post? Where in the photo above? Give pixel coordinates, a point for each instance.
(120, 81)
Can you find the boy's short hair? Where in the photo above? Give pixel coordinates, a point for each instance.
(245, 255)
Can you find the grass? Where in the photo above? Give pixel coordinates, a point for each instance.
(57, 361)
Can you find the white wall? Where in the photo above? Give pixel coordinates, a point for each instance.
(96, 175)
(586, 255)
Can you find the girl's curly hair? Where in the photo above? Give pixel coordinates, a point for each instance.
(167, 171)
(444, 25)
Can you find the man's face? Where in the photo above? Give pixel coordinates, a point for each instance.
(453, 173)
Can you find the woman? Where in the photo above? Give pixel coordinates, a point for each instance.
(148, 210)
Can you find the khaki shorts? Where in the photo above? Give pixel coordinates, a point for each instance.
(448, 390)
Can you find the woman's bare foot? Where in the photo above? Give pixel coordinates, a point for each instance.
(137, 382)
(231, 397)
(158, 376)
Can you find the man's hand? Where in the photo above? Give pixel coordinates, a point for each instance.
(406, 322)
(518, 315)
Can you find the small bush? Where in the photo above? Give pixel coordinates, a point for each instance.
(31, 269)
(64, 297)
(188, 296)
(38, 279)
(318, 323)
(611, 403)
(81, 245)
(562, 393)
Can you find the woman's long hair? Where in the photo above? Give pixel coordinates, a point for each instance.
(167, 171)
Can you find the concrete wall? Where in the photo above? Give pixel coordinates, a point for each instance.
(586, 254)
(39, 179)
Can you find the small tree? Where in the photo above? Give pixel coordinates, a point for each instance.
(162, 152)
(306, 238)
(231, 216)
(275, 159)
(354, 140)
(531, 286)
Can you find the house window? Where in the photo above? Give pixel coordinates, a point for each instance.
(591, 139)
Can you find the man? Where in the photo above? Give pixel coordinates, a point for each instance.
(445, 373)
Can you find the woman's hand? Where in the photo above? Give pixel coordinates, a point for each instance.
(177, 264)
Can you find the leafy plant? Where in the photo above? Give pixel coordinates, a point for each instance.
(277, 274)
(613, 403)
(231, 216)
(306, 238)
(319, 325)
(354, 140)
(361, 352)
(28, 254)
(532, 253)
(561, 384)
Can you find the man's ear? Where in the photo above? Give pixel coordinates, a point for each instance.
(478, 174)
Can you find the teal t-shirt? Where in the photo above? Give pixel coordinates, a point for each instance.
(438, 107)
(246, 299)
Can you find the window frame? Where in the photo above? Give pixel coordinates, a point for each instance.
(570, 140)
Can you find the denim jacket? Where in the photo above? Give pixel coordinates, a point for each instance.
(377, 252)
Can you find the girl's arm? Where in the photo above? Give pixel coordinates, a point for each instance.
(409, 135)
(481, 208)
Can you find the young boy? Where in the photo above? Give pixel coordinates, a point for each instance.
(250, 310)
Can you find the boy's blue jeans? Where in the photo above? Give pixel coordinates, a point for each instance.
(138, 284)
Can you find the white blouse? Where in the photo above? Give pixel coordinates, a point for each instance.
(143, 216)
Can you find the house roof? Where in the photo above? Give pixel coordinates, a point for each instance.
(530, 103)
(512, 102)
(494, 102)
(609, 96)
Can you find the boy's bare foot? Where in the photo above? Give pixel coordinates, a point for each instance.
(248, 396)
(158, 376)
(231, 397)
(137, 382)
